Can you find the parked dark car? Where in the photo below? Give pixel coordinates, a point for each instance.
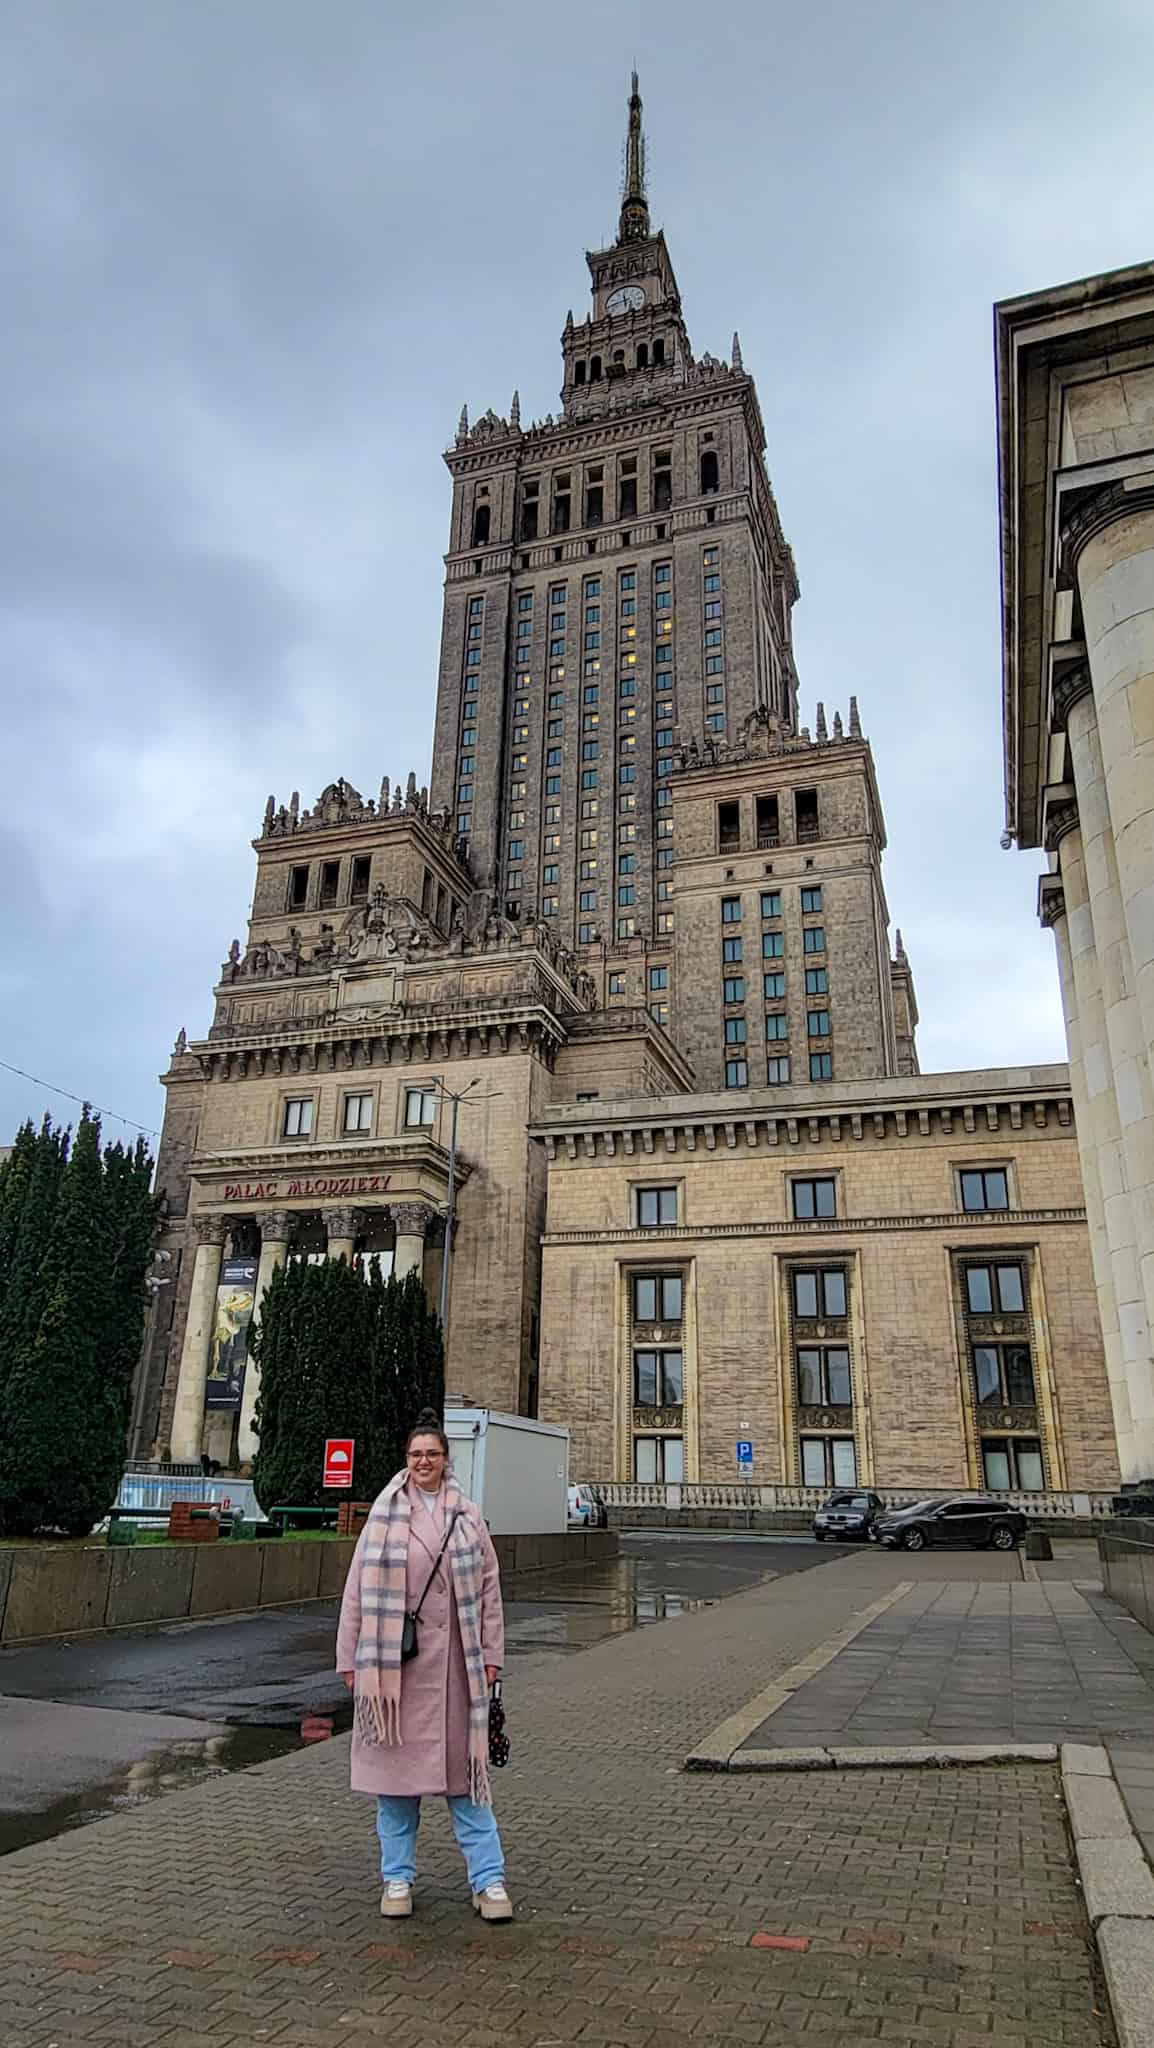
(967, 1519)
(849, 1513)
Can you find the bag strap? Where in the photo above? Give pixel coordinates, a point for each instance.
(437, 1565)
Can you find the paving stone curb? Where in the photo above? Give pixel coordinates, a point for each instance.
(938, 1756)
(1117, 1886)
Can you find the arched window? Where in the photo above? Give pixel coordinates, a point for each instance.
(643, 355)
(481, 526)
(659, 350)
(709, 475)
(619, 355)
(579, 373)
(595, 370)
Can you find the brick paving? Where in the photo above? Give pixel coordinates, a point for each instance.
(962, 1663)
(919, 1908)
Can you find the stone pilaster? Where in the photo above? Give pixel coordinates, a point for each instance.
(188, 1412)
(1095, 1115)
(275, 1230)
(1126, 1165)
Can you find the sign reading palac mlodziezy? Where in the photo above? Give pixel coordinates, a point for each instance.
(292, 1190)
(228, 1351)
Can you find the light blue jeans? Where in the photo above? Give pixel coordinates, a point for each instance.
(475, 1827)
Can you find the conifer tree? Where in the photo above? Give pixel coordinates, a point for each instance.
(28, 1202)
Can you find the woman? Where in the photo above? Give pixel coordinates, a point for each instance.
(421, 1725)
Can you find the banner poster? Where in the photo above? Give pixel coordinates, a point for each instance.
(228, 1351)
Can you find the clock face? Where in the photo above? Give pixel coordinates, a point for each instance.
(629, 299)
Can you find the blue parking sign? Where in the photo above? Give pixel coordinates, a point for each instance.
(744, 1451)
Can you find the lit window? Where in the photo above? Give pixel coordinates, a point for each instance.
(550, 906)
(709, 556)
(552, 843)
(659, 1013)
(298, 1116)
(617, 984)
(665, 923)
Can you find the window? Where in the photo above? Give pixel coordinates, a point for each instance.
(731, 951)
(713, 636)
(771, 902)
(713, 583)
(358, 1112)
(476, 607)
(330, 882)
(821, 1066)
(828, 1461)
(481, 518)
(774, 986)
(551, 872)
(814, 938)
(995, 1290)
(988, 1188)
(737, 1073)
(626, 926)
(298, 1116)
(819, 1291)
(659, 1013)
(656, 1206)
(658, 1460)
(664, 923)
(709, 557)
(728, 828)
(735, 1031)
(617, 984)
(586, 934)
(823, 1376)
(777, 1025)
(658, 1379)
(657, 1297)
(810, 900)
(1013, 1464)
(553, 785)
(1004, 1375)
(772, 945)
(777, 1072)
(731, 910)
(298, 888)
(420, 1108)
(663, 573)
(550, 906)
(816, 981)
(814, 1198)
(818, 1023)
(658, 977)
(805, 813)
(625, 894)
(734, 988)
(587, 900)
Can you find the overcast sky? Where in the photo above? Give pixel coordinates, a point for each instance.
(254, 256)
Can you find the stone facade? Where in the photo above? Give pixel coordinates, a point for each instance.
(640, 931)
(1076, 474)
(898, 1375)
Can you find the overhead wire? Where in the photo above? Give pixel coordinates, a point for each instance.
(146, 1130)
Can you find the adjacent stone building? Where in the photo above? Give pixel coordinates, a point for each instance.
(636, 939)
(1075, 369)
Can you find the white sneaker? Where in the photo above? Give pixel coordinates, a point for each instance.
(493, 1903)
(397, 1899)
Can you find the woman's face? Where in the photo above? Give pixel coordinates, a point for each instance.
(427, 1461)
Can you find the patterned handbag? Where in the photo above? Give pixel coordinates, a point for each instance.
(498, 1740)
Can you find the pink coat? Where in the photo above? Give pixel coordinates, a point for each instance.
(433, 1750)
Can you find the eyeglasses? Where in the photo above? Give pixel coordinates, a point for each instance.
(425, 1457)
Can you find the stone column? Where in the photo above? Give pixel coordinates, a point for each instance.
(410, 1220)
(188, 1410)
(342, 1227)
(1095, 1115)
(1126, 1170)
(275, 1226)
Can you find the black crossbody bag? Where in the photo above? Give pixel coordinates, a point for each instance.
(409, 1643)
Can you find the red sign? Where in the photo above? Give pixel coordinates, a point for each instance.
(338, 1461)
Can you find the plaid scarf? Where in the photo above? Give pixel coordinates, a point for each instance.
(384, 1566)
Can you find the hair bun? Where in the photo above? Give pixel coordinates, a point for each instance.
(428, 1419)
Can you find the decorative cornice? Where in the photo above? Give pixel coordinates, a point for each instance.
(1061, 818)
(1012, 1220)
(1085, 514)
(1051, 901)
(299, 1048)
(1071, 685)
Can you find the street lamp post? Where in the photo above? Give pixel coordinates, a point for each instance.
(456, 1097)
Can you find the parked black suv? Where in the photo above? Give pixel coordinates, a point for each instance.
(967, 1519)
(847, 1514)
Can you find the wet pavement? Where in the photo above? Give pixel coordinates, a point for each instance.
(123, 1718)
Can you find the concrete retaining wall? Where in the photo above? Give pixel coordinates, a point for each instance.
(47, 1592)
(765, 1520)
(1126, 1549)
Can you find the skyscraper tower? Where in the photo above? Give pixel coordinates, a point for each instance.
(614, 574)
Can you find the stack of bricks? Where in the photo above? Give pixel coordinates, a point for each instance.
(352, 1516)
(183, 1529)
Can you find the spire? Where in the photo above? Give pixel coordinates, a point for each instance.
(820, 727)
(737, 362)
(854, 720)
(515, 410)
(634, 224)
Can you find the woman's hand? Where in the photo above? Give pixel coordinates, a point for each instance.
(492, 1673)
(350, 1678)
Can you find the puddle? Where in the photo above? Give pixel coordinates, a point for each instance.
(166, 1770)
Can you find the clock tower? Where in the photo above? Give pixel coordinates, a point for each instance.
(617, 575)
